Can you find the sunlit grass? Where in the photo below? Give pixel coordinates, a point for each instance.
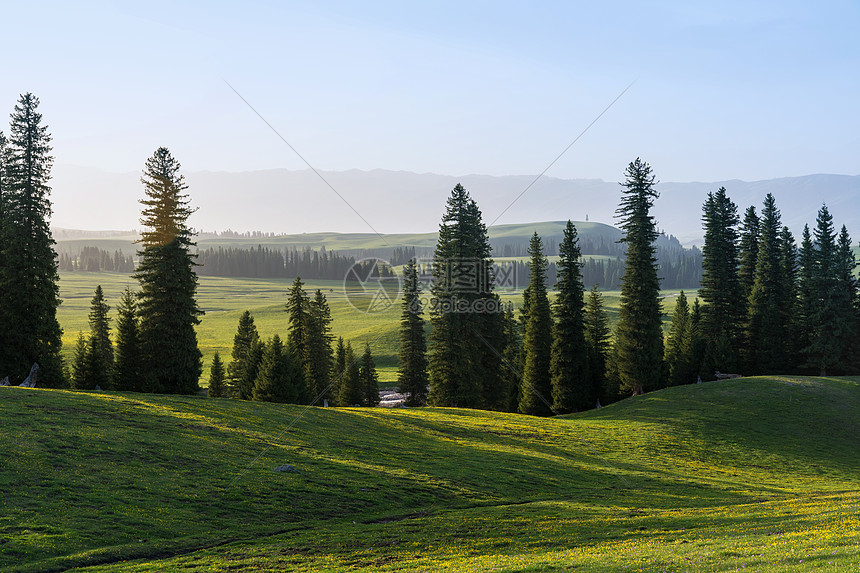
(754, 474)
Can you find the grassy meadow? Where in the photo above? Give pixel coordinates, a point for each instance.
(755, 474)
(224, 299)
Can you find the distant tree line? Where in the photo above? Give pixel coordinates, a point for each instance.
(263, 262)
(94, 259)
(678, 269)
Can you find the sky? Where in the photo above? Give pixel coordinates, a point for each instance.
(720, 90)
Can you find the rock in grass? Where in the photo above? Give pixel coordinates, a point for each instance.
(286, 468)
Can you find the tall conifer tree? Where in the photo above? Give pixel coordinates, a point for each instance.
(350, 391)
(369, 380)
(467, 325)
(216, 377)
(29, 283)
(412, 377)
(168, 306)
(678, 355)
(100, 363)
(241, 372)
(597, 335)
(639, 334)
(128, 365)
(537, 391)
(721, 288)
(572, 388)
(748, 253)
(766, 320)
(319, 350)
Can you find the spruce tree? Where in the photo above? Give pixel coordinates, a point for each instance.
(79, 371)
(572, 388)
(721, 288)
(272, 383)
(100, 357)
(537, 389)
(29, 283)
(766, 321)
(216, 377)
(467, 328)
(639, 334)
(678, 358)
(597, 336)
(831, 316)
(412, 377)
(512, 359)
(847, 302)
(320, 356)
(298, 309)
(807, 298)
(350, 391)
(790, 275)
(167, 307)
(241, 372)
(368, 379)
(748, 254)
(128, 365)
(338, 368)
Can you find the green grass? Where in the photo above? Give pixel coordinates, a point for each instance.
(759, 474)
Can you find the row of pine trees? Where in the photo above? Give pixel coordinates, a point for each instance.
(767, 306)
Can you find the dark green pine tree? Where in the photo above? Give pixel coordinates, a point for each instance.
(572, 388)
(467, 327)
(766, 321)
(748, 254)
(338, 369)
(721, 289)
(807, 299)
(831, 320)
(698, 343)
(847, 297)
(597, 335)
(412, 377)
(639, 333)
(167, 307)
(791, 310)
(319, 350)
(128, 363)
(279, 377)
(536, 392)
(298, 312)
(242, 370)
(216, 378)
(100, 357)
(80, 368)
(6, 292)
(29, 283)
(678, 345)
(512, 359)
(351, 392)
(368, 379)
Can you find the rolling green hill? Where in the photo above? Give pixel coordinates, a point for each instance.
(71, 242)
(757, 474)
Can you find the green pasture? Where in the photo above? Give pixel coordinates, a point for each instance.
(755, 474)
(225, 299)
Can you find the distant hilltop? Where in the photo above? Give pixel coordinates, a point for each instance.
(285, 201)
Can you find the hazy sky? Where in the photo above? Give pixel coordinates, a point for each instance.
(748, 90)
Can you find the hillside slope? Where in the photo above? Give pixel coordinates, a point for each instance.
(758, 472)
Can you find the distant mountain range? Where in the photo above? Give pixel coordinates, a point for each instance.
(284, 201)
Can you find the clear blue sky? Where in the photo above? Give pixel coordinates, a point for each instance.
(747, 90)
